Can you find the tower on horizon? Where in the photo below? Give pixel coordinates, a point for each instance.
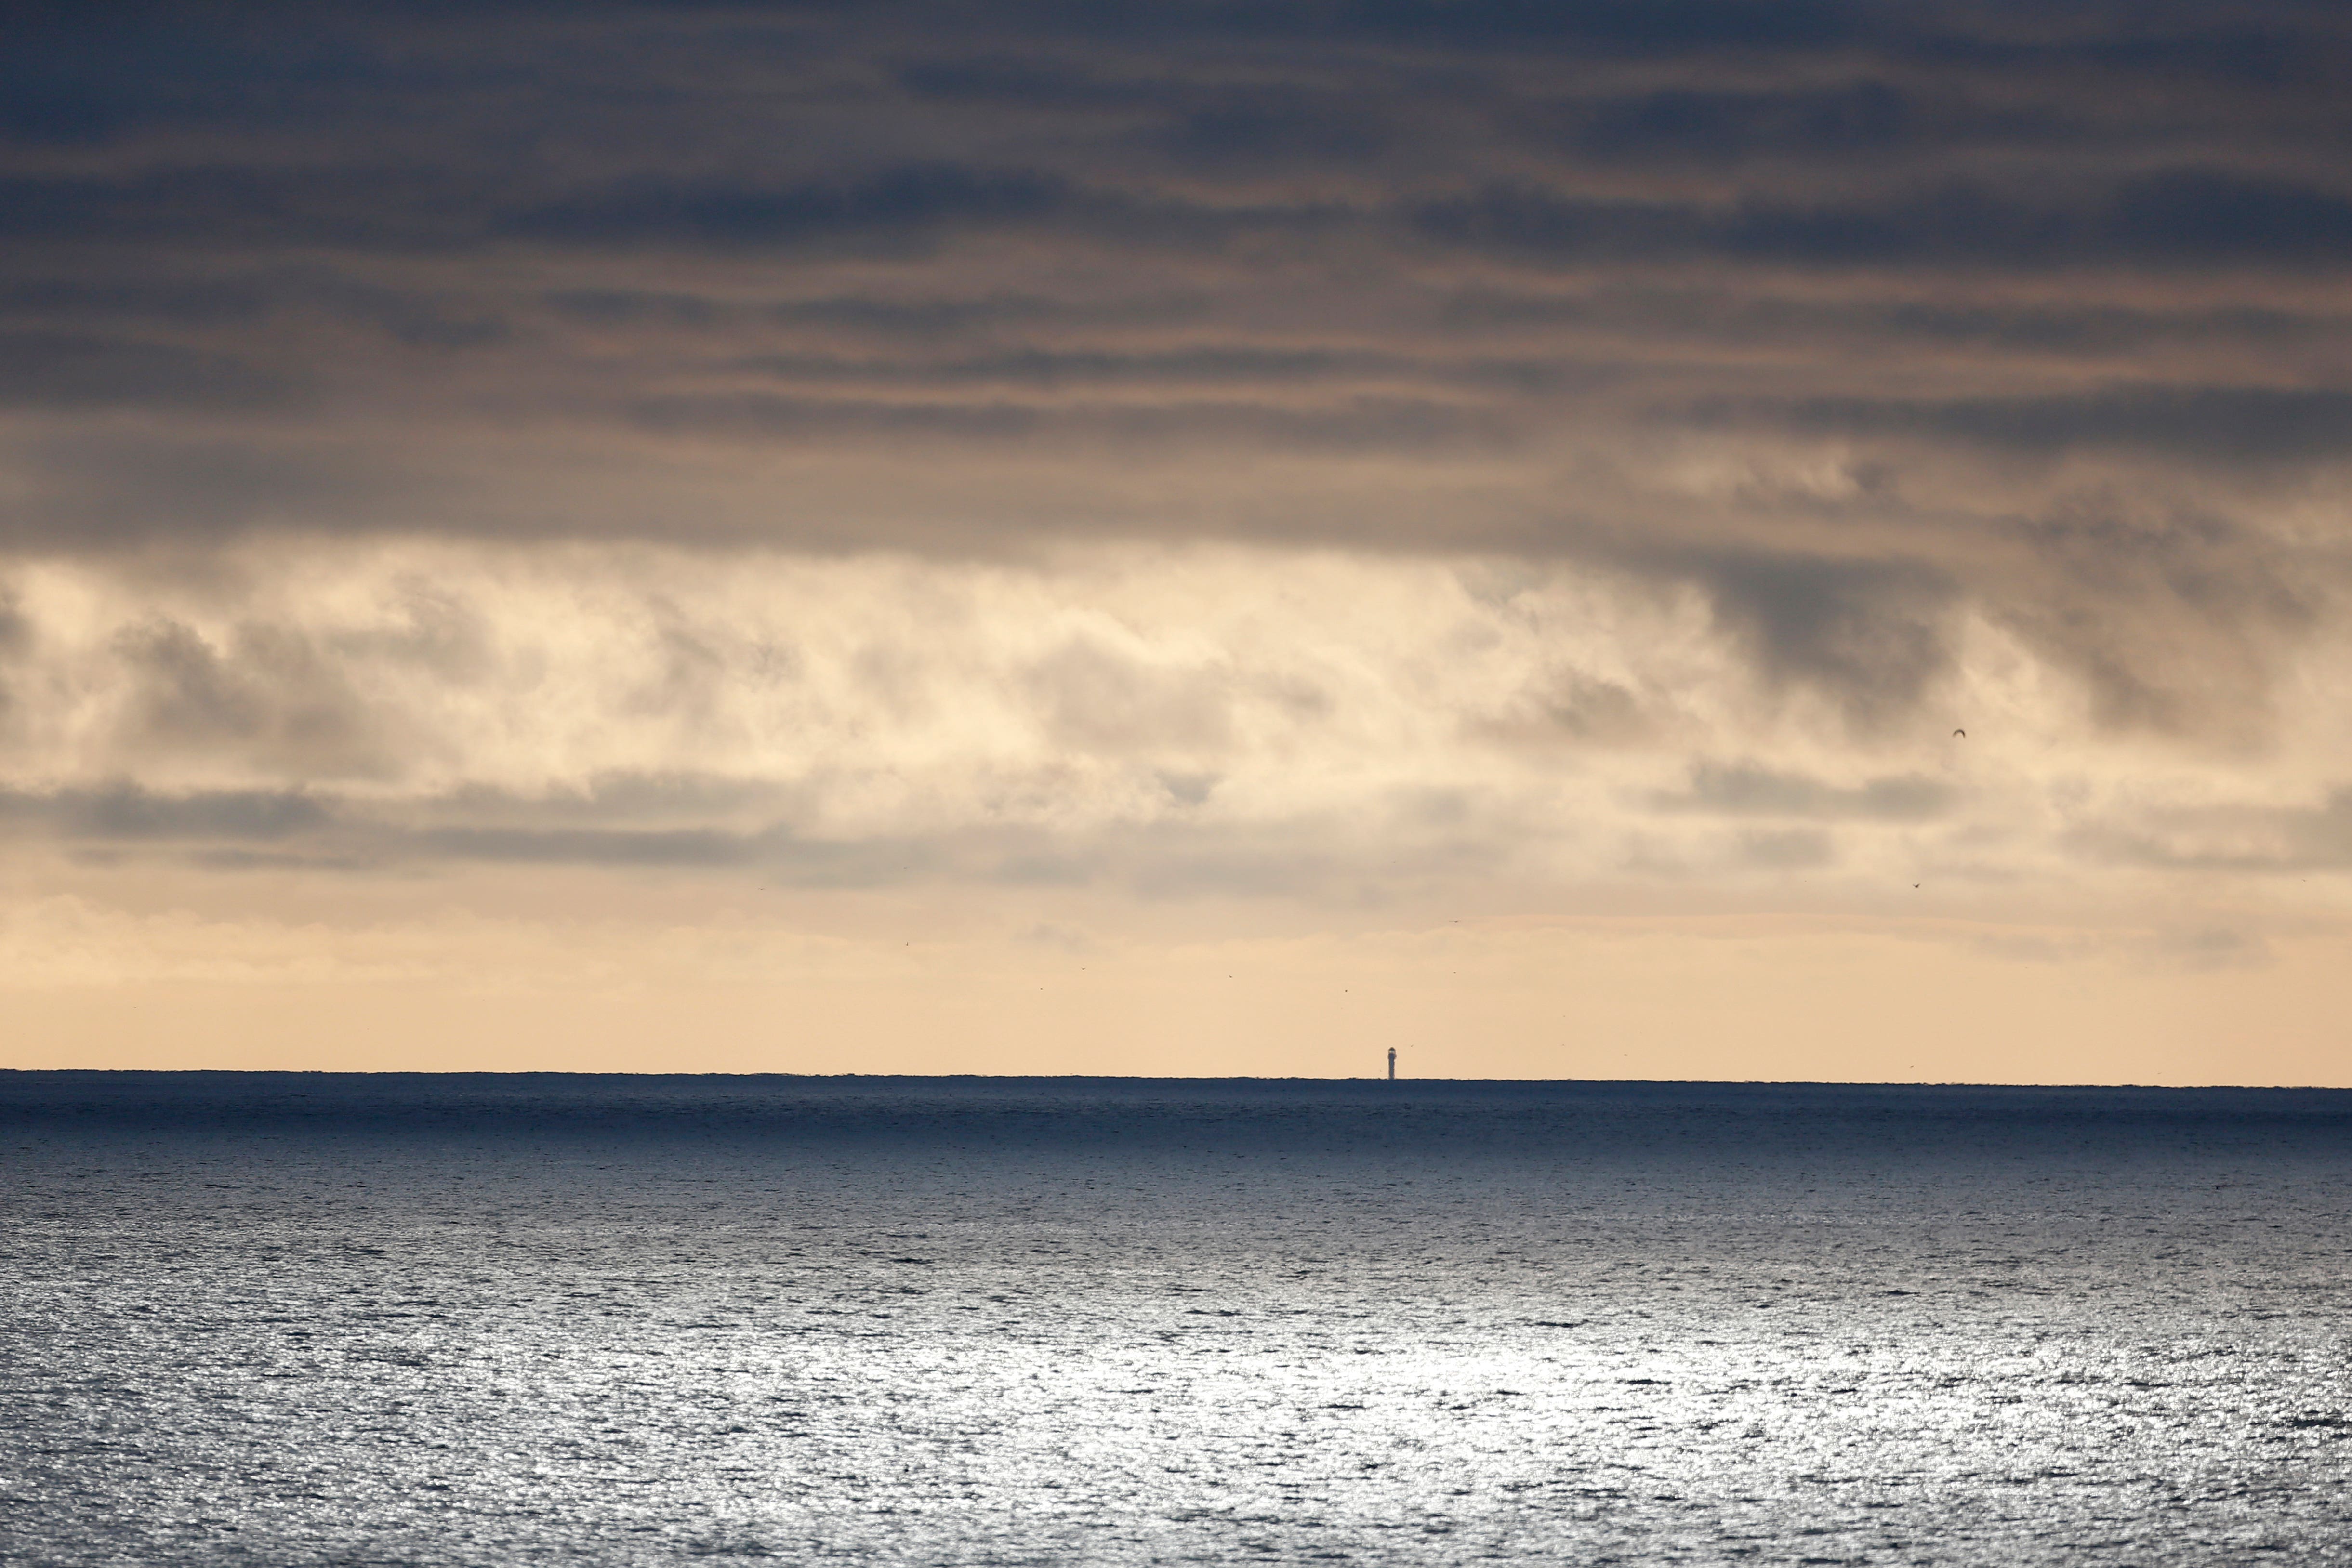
(1392, 1064)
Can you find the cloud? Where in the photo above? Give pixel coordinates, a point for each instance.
(1213, 364)
(73, 370)
(1574, 708)
(2238, 424)
(2260, 840)
(1099, 698)
(1870, 635)
(94, 487)
(1789, 848)
(183, 302)
(2209, 948)
(1174, 449)
(2186, 217)
(2176, 621)
(1310, 859)
(1032, 85)
(1871, 118)
(1701, 26)
(307, 830)
(1368, 422)
(898, 206)
(231, 208)
(124, 811)
(1751, 791)
(271, 695)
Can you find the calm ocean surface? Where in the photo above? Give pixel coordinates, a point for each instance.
(304, 1319)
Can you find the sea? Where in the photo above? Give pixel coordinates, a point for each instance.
(488, 1319)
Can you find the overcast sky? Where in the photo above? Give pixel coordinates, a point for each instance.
(1198, 537)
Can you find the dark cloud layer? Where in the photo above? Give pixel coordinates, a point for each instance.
(2237, 425)
(1867, 631)
(71, 370)
(1921, 284)
(2170, 219)
(895, 207)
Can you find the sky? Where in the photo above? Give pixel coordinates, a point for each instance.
(1711, 539)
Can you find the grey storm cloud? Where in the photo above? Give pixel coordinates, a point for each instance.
(903, 205)
(2229, 423)
(1871, 117)
(1370, 422)
(2182, 218)
(68, 370)
(1434, 274)
(1870, 633)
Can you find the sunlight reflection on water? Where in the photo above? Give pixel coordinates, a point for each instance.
(1415, 1331)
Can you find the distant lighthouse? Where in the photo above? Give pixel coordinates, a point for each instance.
(1392, 1064)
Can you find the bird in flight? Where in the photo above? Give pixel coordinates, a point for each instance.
(1959, 735)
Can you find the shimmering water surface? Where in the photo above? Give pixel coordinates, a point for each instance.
(497, 1320)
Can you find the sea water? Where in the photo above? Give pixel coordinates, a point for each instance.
(306, 1319)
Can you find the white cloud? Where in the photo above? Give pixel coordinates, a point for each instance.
(1170, 719)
